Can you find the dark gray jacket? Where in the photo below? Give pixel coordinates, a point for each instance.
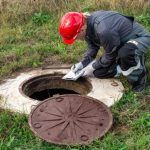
(110, 30)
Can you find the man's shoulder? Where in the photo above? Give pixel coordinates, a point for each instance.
(102, 12)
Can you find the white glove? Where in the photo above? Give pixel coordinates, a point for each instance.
(77, 67)
(88, 71)
(75, 72)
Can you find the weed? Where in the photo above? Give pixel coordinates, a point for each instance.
(40, 18)
(145, 20)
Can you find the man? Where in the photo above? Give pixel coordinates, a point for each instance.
(124, 40)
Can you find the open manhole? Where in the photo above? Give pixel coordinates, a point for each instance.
(70, 119)
(45, 86)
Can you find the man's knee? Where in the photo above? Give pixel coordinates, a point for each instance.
(126, 56)
(106, 72)
(127, 51)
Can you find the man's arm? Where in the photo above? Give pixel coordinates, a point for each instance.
(110, 41)
(91, 53)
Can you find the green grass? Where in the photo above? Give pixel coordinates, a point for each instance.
(34, 43)
(130, 129)
(30, 45)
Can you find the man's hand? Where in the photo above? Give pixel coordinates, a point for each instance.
(77, 67)
(88, 71)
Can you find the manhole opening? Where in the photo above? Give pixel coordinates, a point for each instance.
(50, 93)
(45, 86)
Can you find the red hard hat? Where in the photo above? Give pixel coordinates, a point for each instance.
(70, 25)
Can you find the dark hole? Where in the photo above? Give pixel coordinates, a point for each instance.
(45, 86)
(101, 124)
(42, 95)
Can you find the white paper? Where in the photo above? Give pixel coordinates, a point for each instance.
(73, 76)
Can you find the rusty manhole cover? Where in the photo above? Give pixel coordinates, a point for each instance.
(70, 119)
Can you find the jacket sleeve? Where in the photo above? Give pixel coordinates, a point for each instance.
(91, 52)
(110, 41)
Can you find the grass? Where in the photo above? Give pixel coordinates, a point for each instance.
(130, 128)
(29, 39)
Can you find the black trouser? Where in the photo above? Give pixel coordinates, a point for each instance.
(130, 62)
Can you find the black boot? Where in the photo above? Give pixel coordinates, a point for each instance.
(139, 85)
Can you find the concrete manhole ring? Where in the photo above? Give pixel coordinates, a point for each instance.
(20, 93)
(70, 119)
(49, 85)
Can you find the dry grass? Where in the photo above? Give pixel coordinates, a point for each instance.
(14, 10)
(55, 4)
(20, 10)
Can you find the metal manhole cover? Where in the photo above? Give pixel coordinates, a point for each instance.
(70, 119)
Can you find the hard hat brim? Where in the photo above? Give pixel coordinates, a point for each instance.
(68, 41)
